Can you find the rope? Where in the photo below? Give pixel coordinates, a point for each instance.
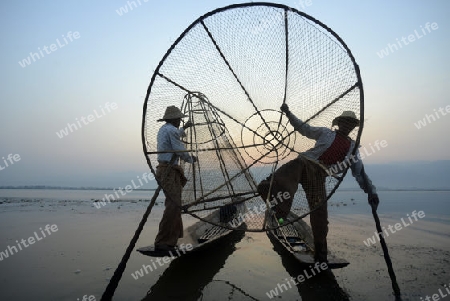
(114, 282)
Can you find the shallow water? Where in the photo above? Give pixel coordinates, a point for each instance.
(80, 258)
(74, 194)
(435, 204)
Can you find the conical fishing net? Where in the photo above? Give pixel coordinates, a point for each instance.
(230, 72)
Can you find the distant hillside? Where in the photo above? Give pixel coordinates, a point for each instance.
(392, 176)
(61, 187)
(407, 175)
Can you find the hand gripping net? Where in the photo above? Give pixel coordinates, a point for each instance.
(230, 71)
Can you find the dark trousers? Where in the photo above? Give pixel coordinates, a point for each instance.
(171, 225)
(312, 178)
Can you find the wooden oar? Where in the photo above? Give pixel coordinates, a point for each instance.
(114, 282)
(387, 258)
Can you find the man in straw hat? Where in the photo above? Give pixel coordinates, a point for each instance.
(332, 148)
(171, 176)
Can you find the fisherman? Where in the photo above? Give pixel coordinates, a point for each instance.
(171, 177)
(331, 149)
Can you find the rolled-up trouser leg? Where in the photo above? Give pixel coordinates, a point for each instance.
(171, 225)
(285, 179)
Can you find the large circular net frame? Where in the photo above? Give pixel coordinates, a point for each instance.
(229, 72)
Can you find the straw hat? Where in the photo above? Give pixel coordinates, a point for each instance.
(172, 112)
(346, 115)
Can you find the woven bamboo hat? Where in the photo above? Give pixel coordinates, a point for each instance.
(172, 112)
(347, 115)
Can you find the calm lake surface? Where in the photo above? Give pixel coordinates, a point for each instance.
(345, 202)
(81, 257)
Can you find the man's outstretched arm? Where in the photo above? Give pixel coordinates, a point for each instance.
(303, 128)
(364, 182)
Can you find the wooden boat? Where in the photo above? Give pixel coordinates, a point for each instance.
(297, 239)
(204, 233)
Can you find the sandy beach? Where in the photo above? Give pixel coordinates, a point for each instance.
(78, 259)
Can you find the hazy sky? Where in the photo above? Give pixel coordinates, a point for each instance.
(104, 69)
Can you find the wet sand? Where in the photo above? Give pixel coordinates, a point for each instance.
(81, 256)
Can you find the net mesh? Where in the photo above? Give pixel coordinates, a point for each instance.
(230, 72)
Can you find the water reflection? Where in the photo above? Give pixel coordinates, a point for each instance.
(187, 276)
(322, 287)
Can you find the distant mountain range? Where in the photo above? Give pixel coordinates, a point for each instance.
(391, 176)
(62, 187)
(406, 176)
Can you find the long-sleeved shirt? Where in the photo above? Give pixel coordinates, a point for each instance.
(169, 140)
(324, 138)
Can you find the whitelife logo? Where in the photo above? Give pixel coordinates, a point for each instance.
(69, 37)
(72, 127)
(407, 40)
(129, 7)
(11, 250)
(398, 226)
(11, 158)
(437, 297)
(161, 261)
(431, 118)
(338, 167)
(281, 287)
(147, 177)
